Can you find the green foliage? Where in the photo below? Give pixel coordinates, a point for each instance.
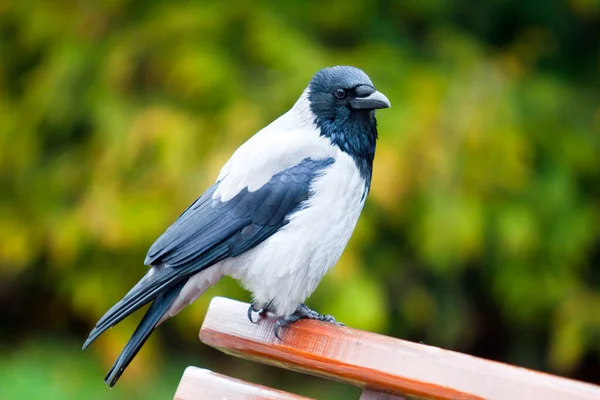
(481, 232)
(52, 371)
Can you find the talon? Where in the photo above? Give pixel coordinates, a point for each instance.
(283, 322)
(329, 318)
(278, 325)
(250, 310)
(334, 322)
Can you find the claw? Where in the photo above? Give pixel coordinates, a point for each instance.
(301, 312)
(278, 325)
(283, 322)
(250, 310)
(331, 319)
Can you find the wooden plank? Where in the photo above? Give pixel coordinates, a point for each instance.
(202, 384)
(379, 362)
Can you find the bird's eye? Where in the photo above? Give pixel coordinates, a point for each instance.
(340, 93)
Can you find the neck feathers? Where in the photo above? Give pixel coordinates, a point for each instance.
(354, 132)
(355, 135)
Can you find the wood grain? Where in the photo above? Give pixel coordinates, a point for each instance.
(202, 384)
(379, 362)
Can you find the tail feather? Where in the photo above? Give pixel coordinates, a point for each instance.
(140, 295)
(161, 287)
(157, 309)
(149, 288)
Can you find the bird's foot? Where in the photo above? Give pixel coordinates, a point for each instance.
(306, 312)
(283, 322)
(262, 313)
(303, 312)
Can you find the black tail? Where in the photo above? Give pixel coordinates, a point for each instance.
(160, 286)
(147, 289)
(157, 309)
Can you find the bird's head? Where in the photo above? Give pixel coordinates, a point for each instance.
(342, 101)
(342, 93)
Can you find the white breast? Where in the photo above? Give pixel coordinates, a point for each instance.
(286, 268)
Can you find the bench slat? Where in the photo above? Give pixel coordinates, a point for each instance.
(379, 362)
(202, 384)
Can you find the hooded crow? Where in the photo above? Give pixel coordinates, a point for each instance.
(277, 219)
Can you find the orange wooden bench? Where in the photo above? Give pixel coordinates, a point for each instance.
(387, 368)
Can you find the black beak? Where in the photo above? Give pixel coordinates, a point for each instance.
(368, 98)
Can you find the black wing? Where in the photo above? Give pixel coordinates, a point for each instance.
(207, 232)
(229, 228)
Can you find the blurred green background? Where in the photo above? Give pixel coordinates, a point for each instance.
(481, 233)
